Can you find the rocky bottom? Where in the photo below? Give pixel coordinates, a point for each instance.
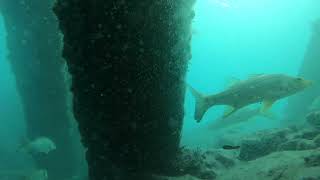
(291, 153)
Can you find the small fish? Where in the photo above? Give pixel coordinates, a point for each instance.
(39, 145)
(229, 147)
(261, 88)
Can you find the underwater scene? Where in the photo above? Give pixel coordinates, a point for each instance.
(161, 90)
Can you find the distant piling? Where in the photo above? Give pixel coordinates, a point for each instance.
(34, 45)
(299, 105)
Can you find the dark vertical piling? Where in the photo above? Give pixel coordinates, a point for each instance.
(299, 105)
(35, 55)
(128, 60)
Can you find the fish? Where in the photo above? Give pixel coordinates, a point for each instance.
(229, 147)
(243, 115)
(265, 88)
(40, 145)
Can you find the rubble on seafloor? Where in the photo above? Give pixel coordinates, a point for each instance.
(291, 153)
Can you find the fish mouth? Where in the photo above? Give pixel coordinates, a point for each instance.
(308, 83)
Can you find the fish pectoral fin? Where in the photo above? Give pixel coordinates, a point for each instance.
(267, 104)
(229, 110)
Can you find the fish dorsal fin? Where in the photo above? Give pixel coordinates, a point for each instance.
(266, 105)
(231, 81)
(228, 111)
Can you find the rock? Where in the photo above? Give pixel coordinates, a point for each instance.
(289, 145)
(309, 134)
(284, 165)
(225, 161)
(294, 128)
(305, 144)
(207, 175)
(220, 159)
(297, 136)
(251, 149)
(297, 144)
(313, 119)
(265, 144)
(312, 160)
(185, 177)
(316, 140)
(285, 132)
(194, 162)
(211, 165)
(310, 178)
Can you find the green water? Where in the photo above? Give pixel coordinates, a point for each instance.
(236, 38)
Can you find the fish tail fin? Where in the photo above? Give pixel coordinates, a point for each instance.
(201, 104)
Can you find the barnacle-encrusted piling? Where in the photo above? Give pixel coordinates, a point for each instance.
(128, 60)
